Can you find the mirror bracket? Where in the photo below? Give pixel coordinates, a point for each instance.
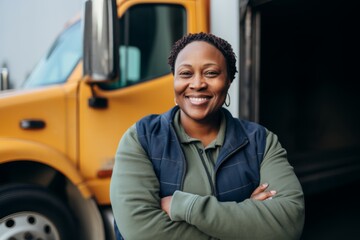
(95, 101)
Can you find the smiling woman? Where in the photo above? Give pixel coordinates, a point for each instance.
(196, 172)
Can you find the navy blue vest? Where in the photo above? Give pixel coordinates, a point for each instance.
(237, 168)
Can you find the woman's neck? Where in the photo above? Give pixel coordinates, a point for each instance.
(206, 130)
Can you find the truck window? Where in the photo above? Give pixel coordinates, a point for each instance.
(58, 63)
(147, 33)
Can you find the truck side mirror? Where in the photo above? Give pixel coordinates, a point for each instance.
(101, 40)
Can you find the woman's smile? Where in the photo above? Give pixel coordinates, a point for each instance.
(199, 100)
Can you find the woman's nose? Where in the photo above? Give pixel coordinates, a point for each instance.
(198, 82)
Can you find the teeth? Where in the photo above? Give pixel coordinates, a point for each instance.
(198, 99)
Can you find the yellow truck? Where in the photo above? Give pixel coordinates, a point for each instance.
(60, 130)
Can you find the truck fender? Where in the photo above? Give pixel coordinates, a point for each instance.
(14, 150)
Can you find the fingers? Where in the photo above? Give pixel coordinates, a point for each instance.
(260, 189)
(165, 204)
(261, 194)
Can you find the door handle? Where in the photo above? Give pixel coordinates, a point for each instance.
(32, 124)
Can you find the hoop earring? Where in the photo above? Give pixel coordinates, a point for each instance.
(175, 101)
(227, 103)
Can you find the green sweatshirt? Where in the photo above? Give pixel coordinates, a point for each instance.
(194, 212)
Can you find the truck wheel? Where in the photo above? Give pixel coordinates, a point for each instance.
(32, 212)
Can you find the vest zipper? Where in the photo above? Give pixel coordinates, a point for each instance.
(182, 157)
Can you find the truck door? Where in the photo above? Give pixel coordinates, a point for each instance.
(147, 32)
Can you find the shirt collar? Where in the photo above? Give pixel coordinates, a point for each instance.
(184, 138)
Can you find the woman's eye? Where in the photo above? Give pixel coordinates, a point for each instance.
(185, 74)
(211, 74)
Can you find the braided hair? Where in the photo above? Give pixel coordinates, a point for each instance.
(223, 46)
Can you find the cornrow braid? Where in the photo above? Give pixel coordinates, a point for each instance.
(223, 46)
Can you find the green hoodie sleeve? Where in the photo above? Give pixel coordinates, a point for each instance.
(134, 195)
(282, 217)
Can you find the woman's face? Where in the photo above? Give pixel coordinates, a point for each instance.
(200, 80)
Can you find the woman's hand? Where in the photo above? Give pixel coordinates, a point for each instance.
(261, 194)
(165, 204)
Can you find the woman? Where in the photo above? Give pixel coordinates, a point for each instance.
(195, 172)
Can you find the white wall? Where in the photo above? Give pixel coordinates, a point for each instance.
(228, 29)
(27, 30)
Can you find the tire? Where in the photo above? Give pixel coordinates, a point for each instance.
(32, 212)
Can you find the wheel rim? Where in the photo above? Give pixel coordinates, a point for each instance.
(28, 226)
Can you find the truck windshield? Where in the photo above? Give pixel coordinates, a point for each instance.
(61, 59)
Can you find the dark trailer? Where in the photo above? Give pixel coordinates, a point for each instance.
(299, 77)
